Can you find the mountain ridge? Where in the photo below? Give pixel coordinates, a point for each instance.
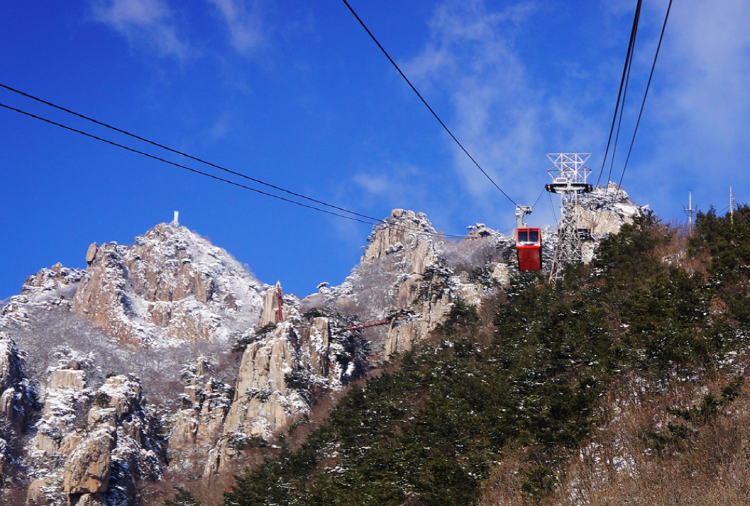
(218, 373)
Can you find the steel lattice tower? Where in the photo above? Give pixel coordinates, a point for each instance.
(569, 180)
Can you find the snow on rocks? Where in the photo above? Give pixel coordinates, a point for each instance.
(171, 286)
(264, 402)
(94, 458)
(64, 397)
(17, 399)
(408, 267)
(49, 288)
(282, 370)
(407, 233)
(605, 210)
(205, 403)
(16, 394)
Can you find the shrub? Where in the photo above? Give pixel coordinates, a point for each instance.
(101, 399)
(182, 498)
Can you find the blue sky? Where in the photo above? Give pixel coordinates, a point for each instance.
(296, 94)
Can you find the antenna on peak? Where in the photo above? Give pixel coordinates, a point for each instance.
(689, 210)
(176, 221)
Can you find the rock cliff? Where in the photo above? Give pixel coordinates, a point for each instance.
(18, 400)
(47, 289)
(171, 285)
(172, 308)
(92, 447)
(605, 210)
(284, 368)
(409, 266)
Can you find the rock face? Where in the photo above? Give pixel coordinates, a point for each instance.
(88, 469)
(269, 314)
(16, 394)
(280, 373)
(171, 285)
(605, 210)
(406, 234)
(263, 403)
(172, 306)
(98, 457)
(64, 397)
(200, 423)
(122, 445)
(17, 401)
(49, 288)
(427, 273)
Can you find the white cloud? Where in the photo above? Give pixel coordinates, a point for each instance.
(707, 66)
(391, 184)
(244, 21)
(694, 129)
(377, 185)
(221, 126)
(699, 104)
(499, 114)
(149, 22)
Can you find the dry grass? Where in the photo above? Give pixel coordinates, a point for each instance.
(626, 461)
(674, 251)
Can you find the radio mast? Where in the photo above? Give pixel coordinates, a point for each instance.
(689, 211)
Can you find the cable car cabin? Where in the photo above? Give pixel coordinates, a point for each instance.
(529, 247)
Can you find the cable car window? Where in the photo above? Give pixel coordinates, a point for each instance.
(533, 236)
(523, 236)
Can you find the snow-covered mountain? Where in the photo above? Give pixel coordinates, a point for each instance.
(168, 356)
(171, 285)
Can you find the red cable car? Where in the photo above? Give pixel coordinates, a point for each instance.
(529, 247)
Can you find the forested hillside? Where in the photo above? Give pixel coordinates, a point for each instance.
(623, 381)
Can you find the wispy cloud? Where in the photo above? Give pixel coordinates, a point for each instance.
(221, 126)
(391, 184)
(143, 22)
(375, 184)
(696, 117)
(243, 18)
(707, 70)
(499, 114)
(699, 105)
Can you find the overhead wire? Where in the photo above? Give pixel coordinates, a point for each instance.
(181, 153)
(426, 104)
(628, 59)
(554, 214)
(175, 164)
(537, 199)
(648, 85)
(622, 109)
(373, 221)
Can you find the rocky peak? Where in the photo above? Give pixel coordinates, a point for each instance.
(406, 236)
(605, 210)
(49, 288)
(171, 285)
(57, 281)
(270, 312)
